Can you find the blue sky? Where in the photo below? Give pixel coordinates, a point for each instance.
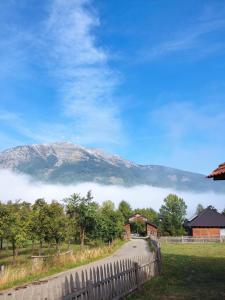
(144, 79)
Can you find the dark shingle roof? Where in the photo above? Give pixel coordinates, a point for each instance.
(209, 217)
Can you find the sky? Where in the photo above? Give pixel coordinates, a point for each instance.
(144, 79)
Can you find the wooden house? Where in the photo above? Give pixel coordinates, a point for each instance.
(208, 223)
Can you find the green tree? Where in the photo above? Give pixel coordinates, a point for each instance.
(4, 215)
(16, 225)
(139, 227)
(125, 209)
(57, 223)
(223, 212)
(84, 212)
(39, 228)
(172, 215)
(199, 209)
(110, 222)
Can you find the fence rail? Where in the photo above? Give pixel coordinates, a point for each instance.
(191, 239)
(110, 281)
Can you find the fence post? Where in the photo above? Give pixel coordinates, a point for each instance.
(136, 269)
(2, 269)
(159, 260)
(90, 290)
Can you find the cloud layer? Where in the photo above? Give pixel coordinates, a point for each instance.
(14, 186)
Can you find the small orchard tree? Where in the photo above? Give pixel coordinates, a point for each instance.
(39, 223)
(172, 215)
(84, 212)
(3, 223)
(16, 225)
(57, 223)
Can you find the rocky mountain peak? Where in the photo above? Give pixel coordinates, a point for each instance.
(67, 163)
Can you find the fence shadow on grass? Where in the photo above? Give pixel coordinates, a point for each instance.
(188, 277)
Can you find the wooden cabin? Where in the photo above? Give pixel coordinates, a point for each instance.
(151, 229)
(208, 223)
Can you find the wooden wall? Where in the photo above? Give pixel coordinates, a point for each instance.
(205, 231)
(151, 230)
(127, 231)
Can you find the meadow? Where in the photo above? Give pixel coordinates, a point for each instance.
(189, 271)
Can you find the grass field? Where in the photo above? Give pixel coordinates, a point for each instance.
(23, 272)
(190, 271)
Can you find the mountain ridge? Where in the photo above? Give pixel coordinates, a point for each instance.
(68, 163)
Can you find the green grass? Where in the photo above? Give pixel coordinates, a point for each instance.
(190, 271)
(81, 257)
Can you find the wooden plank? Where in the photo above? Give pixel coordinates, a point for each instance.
(67, 290)
(72, 284)
(127, 284)
(83, 285)
(112, 281)
(77, 281)
(98, 288)
(103, 285)
(94, 282)
(91, 275)
(109, 285)
(90, 289)
(122, 277)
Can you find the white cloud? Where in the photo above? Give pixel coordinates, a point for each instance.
(64, 43)
(86, 83)
(14, 186)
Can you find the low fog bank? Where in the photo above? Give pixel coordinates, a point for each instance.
(15, 186)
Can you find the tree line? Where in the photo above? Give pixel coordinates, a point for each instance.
(76, 220)
(79, 219)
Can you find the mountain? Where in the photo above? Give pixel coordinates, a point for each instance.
(67, 163)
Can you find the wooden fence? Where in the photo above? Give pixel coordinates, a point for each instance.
(191, 239)
(110, 281)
